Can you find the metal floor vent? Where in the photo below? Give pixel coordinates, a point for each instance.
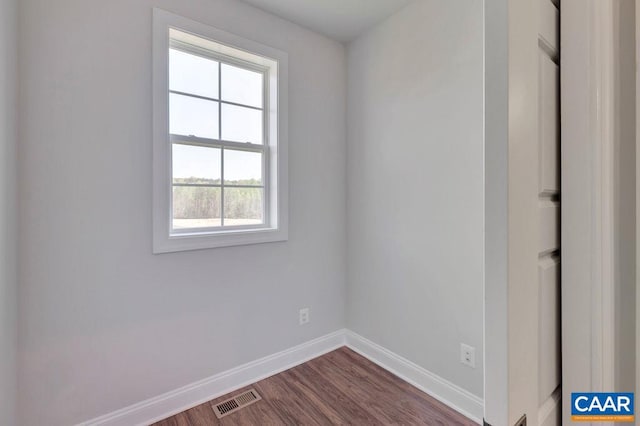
(236, 403)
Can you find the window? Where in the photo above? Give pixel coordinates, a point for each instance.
(220, 175)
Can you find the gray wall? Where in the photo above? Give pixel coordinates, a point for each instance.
(104, 323)
(415, 186)
(8, 222)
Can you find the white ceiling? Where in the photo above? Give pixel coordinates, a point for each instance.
(343, 20)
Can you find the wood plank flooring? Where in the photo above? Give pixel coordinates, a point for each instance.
(338, 388)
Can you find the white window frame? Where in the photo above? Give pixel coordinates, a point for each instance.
(170, 29)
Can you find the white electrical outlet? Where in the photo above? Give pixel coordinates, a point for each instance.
(304, 316)
(468, 355)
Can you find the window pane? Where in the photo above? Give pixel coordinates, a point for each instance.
(241, 86)
(196, 207)
(242, 167)
(243, 206)
(193, 117)
(196, 164)
(193, 74)
(241, 124)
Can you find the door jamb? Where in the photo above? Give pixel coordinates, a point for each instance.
(588, 293)
(588, 203)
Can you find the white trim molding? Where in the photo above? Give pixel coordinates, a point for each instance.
(444, 391)
(496, 211)
(588, 197)
(186, 397)
(189, 396)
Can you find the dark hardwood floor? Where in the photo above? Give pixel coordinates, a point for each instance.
(338, 388)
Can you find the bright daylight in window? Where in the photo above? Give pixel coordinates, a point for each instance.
(217, 119)
(220, 152)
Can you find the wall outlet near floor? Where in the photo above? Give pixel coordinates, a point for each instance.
(304, 316)
(468, 355)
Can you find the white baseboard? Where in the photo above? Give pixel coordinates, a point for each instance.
(444, 391)
(184, 398)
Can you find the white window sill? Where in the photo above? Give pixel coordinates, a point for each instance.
(208, 240)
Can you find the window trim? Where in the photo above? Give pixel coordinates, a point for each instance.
(223, 144)
(247, 54)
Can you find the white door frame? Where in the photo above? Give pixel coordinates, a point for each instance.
(588, 293)
(587, 163)
(496, 116)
